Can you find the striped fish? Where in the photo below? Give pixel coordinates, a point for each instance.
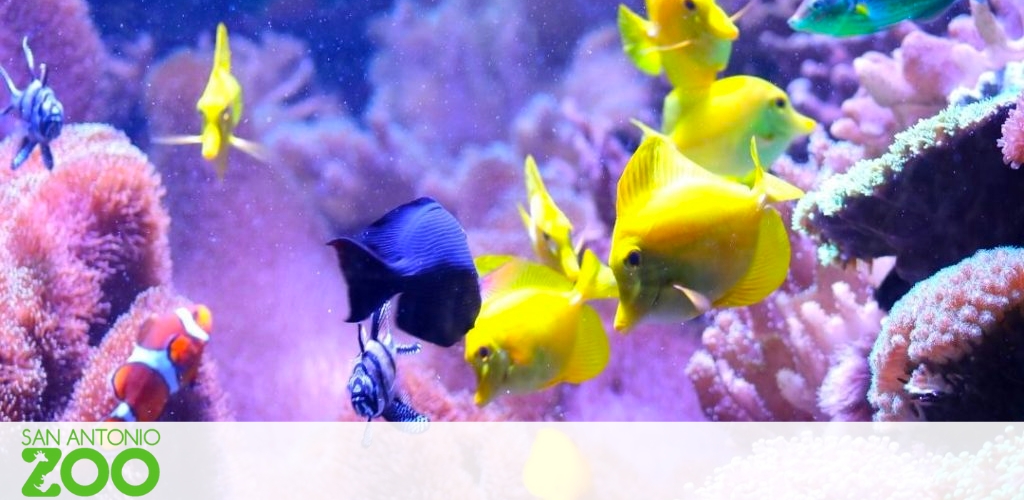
(42, 113)
(372, 384)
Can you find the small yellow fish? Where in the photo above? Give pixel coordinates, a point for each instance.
(221, 108)
(534, 329)
(690, 40)
(713, 127)
(551, 233)
(686, 240)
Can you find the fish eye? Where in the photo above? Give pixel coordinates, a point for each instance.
(633, 258)
(546, 236)
(483, 353)
(780, 102)
(690, 5)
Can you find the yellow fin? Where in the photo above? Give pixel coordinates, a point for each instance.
(768, 267)
(486, 263)
(607, 287)
(775, 188)
(587, 284)
(527, 221)
(590, 354)
(655, 163)
(222, 50)
(517, 273)
(636, 41)
(862, 9)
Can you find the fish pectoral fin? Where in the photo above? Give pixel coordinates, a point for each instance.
(590, 353)
(514, 272)
(253, 149)
(768, 267)
(607, 287)
(636, 41)
(177, 140)
(700, 301)
(487, 263)
(778, 189)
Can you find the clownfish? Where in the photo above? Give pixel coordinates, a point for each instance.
(42, 113)
(221, 108)
(165, 359)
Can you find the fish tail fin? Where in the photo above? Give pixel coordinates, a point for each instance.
(591, 352)
(370, 281)
(768, 267)
(636, 41)
(222, 50)
(588, 285)
(773, 188)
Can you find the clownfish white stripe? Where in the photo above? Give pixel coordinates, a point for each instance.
(191, 327)
(123, 412)
(160, 362)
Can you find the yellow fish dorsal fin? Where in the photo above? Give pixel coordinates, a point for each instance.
(655, 163)
(768, 267)
(506, 273)
(550, 215)
(222, 50)
(637, 41)
(590, 354)
(587, 284)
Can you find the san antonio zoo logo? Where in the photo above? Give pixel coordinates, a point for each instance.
(52, 467)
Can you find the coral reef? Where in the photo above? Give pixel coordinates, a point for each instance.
(93, 399)
(953, 347)
(76, 247)
(923, 200)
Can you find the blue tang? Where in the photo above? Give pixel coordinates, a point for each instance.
(417, 250)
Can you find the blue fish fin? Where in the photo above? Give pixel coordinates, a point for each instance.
(406, 416)
(23, 152)
(590, 354)
(370, 281)
(439, 309)
(768, 267)
(47, 155)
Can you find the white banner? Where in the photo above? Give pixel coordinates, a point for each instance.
(309, 461)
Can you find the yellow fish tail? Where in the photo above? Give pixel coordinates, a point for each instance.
(588, 285)
(774, 188)
(768, 268)
(222, 50)
(637, 42)
(590, 354)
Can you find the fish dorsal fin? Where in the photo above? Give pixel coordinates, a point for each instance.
(222, 50)
(768, 267)
(515, 273)
(655, 163)
(591, 351)
(586, 287)
(547, 214)
(637, 41)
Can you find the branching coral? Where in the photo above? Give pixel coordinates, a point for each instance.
(917, 79)
(939, 194)
(76, 246)
(94, 398)
(953, 347)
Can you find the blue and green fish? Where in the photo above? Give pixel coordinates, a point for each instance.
(841, 18)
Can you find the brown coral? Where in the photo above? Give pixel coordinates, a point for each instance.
(76, 246)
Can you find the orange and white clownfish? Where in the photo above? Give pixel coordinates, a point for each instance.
(165, 359)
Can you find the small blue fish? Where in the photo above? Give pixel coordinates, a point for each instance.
(42, 113)
(841, 18)
(418, 250)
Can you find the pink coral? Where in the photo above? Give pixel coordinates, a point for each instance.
(1012, 141)
(953, 347)
(76, 246)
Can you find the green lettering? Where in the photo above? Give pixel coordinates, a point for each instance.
(40, 483)
(102, 472)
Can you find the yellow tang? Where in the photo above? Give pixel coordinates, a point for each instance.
(221, 108)
(690, 40)
(534, 329)
(713, 127)
(551, 233)
(686, 240)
